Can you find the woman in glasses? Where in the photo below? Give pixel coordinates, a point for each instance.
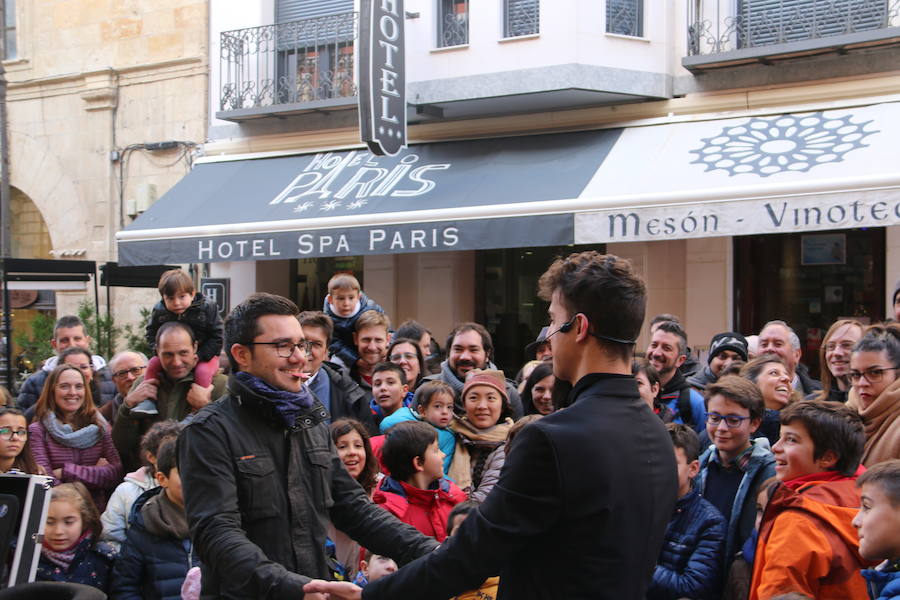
(70, 439)
(407, 353)
(15, 452)
(875, 391)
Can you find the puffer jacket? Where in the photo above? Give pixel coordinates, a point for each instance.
(808, 545)
(118, 509)
(884, 581)
(150, 566)
(702, 378)
(760, 467)
(426, 510)
(92, 565)
(342, 345)
(31, 390)
(202, 316)
(690, 564)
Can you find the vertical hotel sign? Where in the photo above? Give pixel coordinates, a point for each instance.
(382, 76)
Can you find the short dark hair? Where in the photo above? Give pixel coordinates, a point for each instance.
(158, 432)
(76, 350)
(241, 323)
(486, 342)
(685, 438)
(517, 428)
(429, 390)
(463, 508)
(881, 337)
(316, 318)
(67, 321)
(739, 390)
(404, 442)
(886, 475)
(170, 325)
(389, 366)
(175, 281)
(663, 317)
(368, 478)
(411, 329)
(642, 365)
(678, 331)
(831, 426)
(167, 456)
(604, 288)
(539, 372)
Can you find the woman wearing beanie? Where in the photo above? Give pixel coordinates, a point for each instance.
(481, 433)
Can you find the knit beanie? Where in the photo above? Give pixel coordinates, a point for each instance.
(728, 340)
(490, 377)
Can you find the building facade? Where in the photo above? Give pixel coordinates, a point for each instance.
(739, 152)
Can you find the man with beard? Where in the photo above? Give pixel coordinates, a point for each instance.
(668, 351)
(777, 337)
(469, 347)
(371, 339)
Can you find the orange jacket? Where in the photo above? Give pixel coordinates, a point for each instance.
(807, 544)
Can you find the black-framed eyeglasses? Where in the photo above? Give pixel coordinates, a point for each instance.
(872, 374)
(731, 421)
(286, 349)
(9, 434)
(135, 371)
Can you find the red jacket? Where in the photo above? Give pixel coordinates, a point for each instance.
(426, 510)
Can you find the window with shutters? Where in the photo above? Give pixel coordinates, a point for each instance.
(453, 23)
(765, 22)
(521, 17)
(625, 17)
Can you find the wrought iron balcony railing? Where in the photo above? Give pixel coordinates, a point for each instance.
(288, 63)
(727, 26)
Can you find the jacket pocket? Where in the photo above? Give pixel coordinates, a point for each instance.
(257, 487)
(320, 460)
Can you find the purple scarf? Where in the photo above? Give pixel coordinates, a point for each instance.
(288, 404)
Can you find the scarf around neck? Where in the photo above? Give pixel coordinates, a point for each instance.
(881, 420)
(63, 434)
(163, 518)
(64, 558)
(468, 436)
(288, 404)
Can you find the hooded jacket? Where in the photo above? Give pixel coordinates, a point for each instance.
(31, 390)
(807, 544)
(92, 565)
(154, 559)
(202, 316)
(883, 581)
(118, 509)
(426, 510)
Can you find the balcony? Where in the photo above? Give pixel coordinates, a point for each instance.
(292, 67)
(723, 33)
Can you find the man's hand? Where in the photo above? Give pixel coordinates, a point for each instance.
(335, 590)
(199, 396)
(146, 390)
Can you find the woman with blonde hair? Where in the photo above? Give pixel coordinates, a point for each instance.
(834, 359)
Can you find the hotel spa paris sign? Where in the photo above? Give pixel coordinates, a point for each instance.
(382, 76)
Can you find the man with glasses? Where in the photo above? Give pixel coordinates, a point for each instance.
(125, 367)
(175, 393)
(734, 467)
(261, 476)
(330, 382)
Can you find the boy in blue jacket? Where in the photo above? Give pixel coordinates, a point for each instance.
(878, 526)
(689, 565)
(344, 303)
(157, 553)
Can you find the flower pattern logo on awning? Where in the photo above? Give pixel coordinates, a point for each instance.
(766, 146)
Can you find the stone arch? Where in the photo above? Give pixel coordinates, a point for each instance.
(40, 175)
(30, 234)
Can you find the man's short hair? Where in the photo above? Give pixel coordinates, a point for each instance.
(76, 350)
(343, 281)
(389, 366)
(831, 426)
(241, 324)
(316, 318)
(604, 288)
(372, 318)
(486, 342)
(175, 281)
(412, 330)
(685, 438)
(739, 390)
(663, 317)
(68, 321)
(792, 335)
(120, 355)
(170, 325)
(402, 443)
(167, 456)
(886, 475)
(676, 330)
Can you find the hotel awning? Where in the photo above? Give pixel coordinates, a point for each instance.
(832, 169)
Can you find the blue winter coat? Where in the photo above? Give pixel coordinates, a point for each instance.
(446, 438)
(883, 585)
(91, 566)
(342, 344)
(690, 564)
(743, 510)
(151, 567)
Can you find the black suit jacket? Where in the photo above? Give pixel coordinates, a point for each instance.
(580, 510)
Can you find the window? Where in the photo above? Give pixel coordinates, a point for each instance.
(625, 17)
(765, 22)
(453, 23)
(522, 17)
(9, 30)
